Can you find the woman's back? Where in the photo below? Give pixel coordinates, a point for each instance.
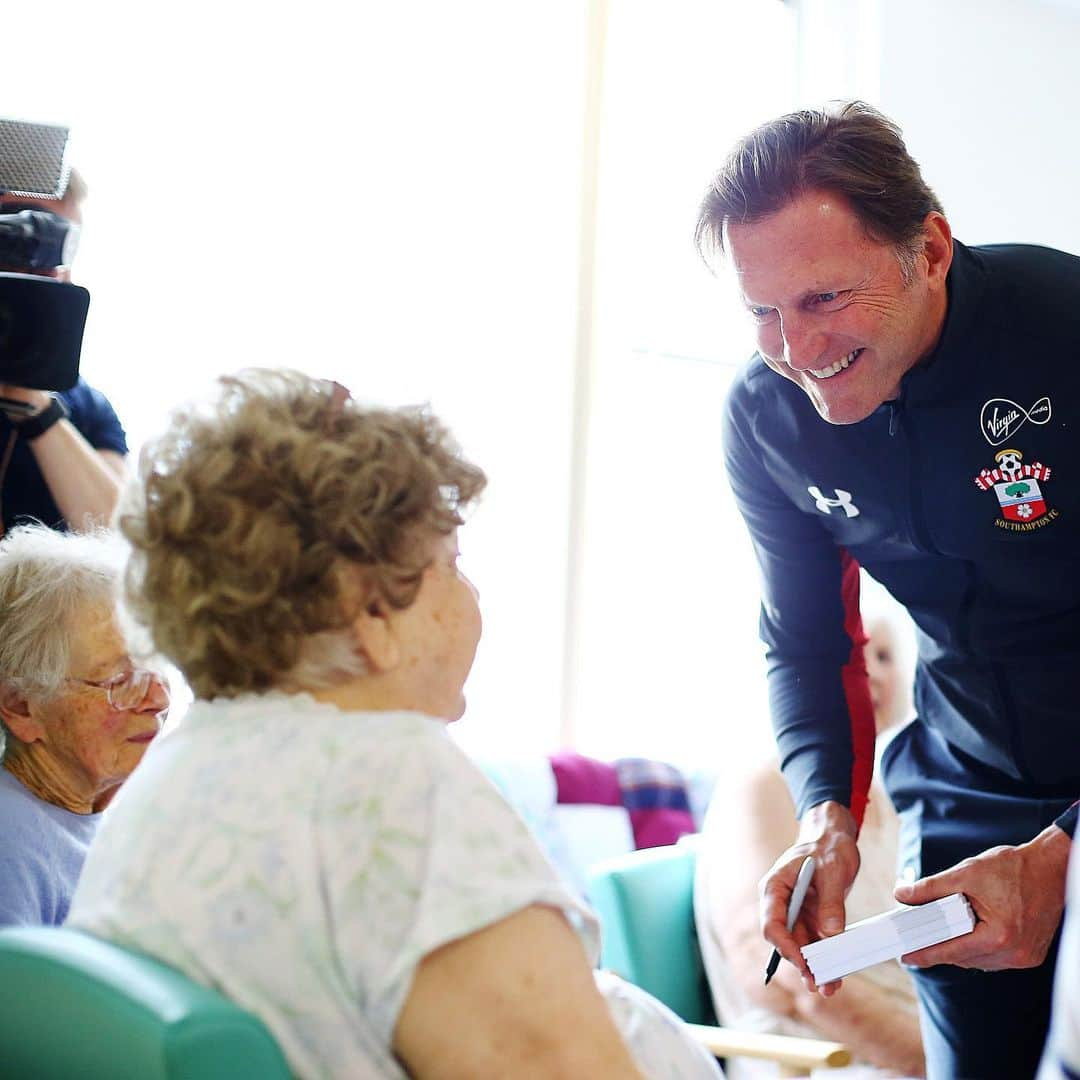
(304, 860)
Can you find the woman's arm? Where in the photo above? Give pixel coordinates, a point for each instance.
(514, 999)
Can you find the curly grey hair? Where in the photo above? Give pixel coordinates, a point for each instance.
(268, 515)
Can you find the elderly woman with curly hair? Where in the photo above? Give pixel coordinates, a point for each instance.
(309, 841)
(76, 715)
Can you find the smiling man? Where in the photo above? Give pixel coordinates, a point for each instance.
(923, 413)
(839, 313)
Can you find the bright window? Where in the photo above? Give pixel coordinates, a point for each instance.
(389, 195)
(669, 662)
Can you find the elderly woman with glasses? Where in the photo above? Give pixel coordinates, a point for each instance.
(76, 716)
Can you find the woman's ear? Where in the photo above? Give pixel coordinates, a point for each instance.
(376, 635)
(15, 711)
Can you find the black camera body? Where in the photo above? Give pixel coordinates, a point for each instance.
(41, 331)
(41, 318)
(35, 241)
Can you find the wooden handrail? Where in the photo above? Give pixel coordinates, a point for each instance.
(788, 1050)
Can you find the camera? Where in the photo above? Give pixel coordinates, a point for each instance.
(41, 319)
(33, 239)
(41, 330)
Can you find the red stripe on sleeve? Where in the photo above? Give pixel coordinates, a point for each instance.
(857, 690)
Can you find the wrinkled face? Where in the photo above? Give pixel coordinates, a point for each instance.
(440, 631)
(833, 311)
(95, 744)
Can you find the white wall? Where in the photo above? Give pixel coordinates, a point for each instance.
(986, 91)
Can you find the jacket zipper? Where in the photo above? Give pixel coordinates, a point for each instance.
(898, 422)
(898, 419)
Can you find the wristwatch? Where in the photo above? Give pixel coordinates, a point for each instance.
(39, 423)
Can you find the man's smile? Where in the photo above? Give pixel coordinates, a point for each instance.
(837, 367)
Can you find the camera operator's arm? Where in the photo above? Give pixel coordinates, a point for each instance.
(84, 482)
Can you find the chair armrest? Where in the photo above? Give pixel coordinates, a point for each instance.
(788, 1050)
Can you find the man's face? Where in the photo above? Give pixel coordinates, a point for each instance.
(833, 311)
(66, 208)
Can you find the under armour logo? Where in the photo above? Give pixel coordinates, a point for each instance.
(843, 500)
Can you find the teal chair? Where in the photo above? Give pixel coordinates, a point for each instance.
(73, 1006)
(645, 901)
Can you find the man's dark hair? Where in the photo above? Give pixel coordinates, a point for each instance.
(848, 148)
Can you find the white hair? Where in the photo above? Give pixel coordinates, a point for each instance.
(327, 658)
(47, 579)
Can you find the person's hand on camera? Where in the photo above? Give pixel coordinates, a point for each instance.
(38, 399)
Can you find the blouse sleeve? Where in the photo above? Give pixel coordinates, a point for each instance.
(442, 855)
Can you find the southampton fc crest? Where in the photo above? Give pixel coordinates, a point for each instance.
(1023, 505)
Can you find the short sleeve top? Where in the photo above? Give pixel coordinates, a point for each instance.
(303, 860)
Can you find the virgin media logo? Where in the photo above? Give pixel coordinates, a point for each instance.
(1001, 418)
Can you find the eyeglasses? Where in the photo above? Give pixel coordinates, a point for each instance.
(130, 689)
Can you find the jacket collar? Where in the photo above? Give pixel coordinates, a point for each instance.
(965, 286)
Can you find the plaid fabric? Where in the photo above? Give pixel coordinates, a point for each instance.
(652, 792)
(651, 785)
(655, 794)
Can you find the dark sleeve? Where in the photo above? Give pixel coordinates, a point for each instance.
(92, 413)
(818, 691)
(1067, 821)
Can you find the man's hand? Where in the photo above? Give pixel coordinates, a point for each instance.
(827, 832)
(38, 399)
(1017, 893)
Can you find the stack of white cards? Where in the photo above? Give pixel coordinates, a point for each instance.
(889, 936)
